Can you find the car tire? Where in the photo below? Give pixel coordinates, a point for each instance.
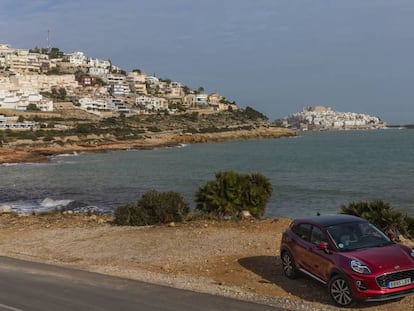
(340, 291)
(289, 266)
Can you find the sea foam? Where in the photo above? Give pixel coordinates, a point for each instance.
(49, 203)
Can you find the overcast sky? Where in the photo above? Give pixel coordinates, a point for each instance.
(276, 56)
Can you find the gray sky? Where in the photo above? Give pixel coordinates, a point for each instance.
(276, 56)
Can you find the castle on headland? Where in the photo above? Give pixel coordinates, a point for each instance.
(319, 118)
(36, 79)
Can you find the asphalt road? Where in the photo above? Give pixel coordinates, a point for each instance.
(27, 286)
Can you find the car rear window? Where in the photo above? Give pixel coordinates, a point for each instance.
(303, 230)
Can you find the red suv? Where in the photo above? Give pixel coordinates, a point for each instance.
(354, 258)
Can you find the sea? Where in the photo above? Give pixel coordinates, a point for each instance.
(315, 172)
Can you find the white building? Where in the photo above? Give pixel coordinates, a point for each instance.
(195, 100)
(11, 123)
(120, 90)
(201, 100)
(77, 58)
(137, 82)
(95, 106)
(118, 105)
(19, 60)
(20, 100)
(99, 63)
(98, 67)
(152, 81)
(115, 79)
(98, 71)
(150, 103)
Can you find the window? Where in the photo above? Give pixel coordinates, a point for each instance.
(317, 236)
(303, 231)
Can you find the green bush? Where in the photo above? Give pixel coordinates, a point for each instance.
(231, 193)
(48, 138)
(154, 129)
(131, 215)
(86, 128)
(382, 215)
(153, 208)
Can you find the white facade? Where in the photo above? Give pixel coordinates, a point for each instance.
(136, 77)
(120, 90)
(98, 67)
(11, 123)
(94, 105)
(153, 81)
(99, 63)
(24, 61)
(19, 100)
(195, 100)
(201, 99)
(97, 106)
(152, 103)
(175, 89)
(115, 79)
(118, 106)
(98, 71)
(77, 58)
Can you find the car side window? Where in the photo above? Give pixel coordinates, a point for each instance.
(317, 236)
(303, 231)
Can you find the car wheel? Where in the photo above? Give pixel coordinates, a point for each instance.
(289, 266)
(340, 292)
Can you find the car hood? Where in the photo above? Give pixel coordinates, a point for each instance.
(387, 258)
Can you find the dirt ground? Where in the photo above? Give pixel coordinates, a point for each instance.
(237, 259)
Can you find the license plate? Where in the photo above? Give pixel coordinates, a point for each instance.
(399, 283)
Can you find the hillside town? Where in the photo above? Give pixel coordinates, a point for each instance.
(37, 79)
(319, 118)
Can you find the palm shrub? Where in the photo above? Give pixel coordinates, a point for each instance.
(410, 224)
(231, 193)
(153, 208)
(382, 215)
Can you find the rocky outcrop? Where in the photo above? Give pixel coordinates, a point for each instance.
(39, 152)
(5, 209)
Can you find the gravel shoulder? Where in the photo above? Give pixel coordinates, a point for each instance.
(236, 259)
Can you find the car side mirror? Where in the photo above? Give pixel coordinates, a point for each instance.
(323, 247)
(391, 235)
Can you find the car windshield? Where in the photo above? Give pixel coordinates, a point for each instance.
(357, 235)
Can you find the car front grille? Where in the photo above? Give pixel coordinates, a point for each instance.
(400, 275)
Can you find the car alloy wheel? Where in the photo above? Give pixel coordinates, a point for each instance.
(340, 291)
(289, 266)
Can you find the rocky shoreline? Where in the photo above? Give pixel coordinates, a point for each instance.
(33, 151)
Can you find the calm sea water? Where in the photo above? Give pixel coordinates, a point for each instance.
(315, 172)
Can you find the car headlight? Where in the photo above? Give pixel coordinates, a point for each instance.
(359, 267)
(412, 252)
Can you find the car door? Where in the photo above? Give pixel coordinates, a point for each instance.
(319, 261)
(302, 243)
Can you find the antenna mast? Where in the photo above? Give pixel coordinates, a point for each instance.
(48, 41)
